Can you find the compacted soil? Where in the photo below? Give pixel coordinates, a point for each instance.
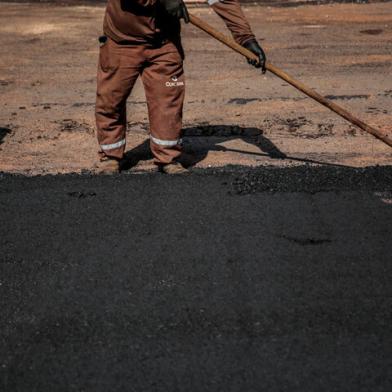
(48, 59)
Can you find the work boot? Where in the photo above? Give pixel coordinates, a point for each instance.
(107, 165)
(173, 168)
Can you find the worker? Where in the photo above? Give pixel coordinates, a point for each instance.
(142, 38)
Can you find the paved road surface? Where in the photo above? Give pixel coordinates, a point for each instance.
(273, 280)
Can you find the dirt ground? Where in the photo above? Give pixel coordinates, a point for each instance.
(233, 115)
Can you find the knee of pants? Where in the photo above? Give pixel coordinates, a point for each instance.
(110, 103)
(110, 115)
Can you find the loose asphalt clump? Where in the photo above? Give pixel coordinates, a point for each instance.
(313, 179)
(221, 130)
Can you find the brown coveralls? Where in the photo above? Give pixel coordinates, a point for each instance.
(143, 40)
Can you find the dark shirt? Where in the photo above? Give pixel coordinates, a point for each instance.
(145, 21)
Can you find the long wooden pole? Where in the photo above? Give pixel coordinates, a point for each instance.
(297, 84)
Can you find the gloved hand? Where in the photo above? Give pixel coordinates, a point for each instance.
(176, 8)
(255, 48)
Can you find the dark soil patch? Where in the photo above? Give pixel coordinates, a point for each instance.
(221, 130)
(386, 93)
(372, 31)
(5, 83)
(347, 97)
(294, 124)
(4, 131)
(70, 125)
(82, 104)
(242, 101)
(374, 110)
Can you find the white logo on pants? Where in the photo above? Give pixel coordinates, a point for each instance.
(174, 82)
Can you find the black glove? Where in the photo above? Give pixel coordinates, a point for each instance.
(176, 8)
(255, 48)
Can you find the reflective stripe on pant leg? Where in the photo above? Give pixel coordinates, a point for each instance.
(164, 85)
(118, 69)
(113, 146)
(166, 143)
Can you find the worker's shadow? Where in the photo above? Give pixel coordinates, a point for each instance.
(201, 139)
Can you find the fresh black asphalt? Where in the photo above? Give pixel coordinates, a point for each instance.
(235, 280)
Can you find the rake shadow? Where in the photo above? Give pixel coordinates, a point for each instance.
(213, 136)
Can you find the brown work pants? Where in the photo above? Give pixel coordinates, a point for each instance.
(162, 74)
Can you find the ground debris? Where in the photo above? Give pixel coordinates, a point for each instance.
(81, 195)
(307, 241)
(4, 82)
(70, 125)
(312, 179)
(372, 31)
(243, 101)
(386, 93)
(376, 111)
(205, 129)
(347, 97)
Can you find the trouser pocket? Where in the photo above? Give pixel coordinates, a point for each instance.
(108, 59)
(102, 40)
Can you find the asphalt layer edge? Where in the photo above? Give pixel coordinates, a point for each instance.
(244, 180)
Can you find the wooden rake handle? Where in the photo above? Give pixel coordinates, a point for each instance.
(297, 84)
